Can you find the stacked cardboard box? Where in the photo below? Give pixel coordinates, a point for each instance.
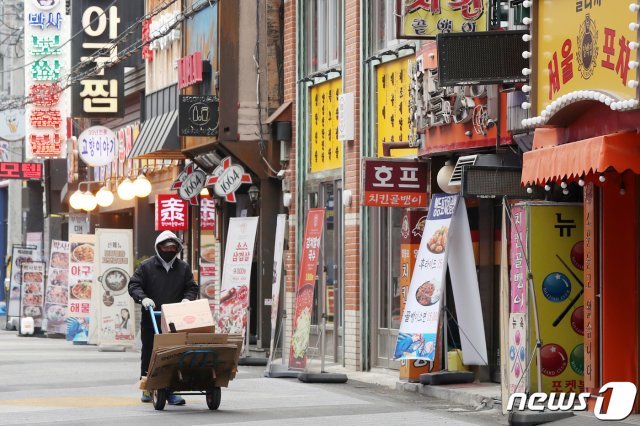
(192, 360)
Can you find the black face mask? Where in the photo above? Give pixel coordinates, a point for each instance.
(167, 255)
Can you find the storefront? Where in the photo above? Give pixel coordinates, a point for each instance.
(586, 146)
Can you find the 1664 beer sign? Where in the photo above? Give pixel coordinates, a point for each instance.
(227, 178)
(189, 183)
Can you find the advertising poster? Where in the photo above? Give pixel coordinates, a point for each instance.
(419, 323)
(19, 256)
(518, 272)
(281, 223)
(557, 263)
(427, 19)
(305, 289)
(33, 292)
(591, 292)
(114, 267)
(57, 291)
(209, 278)
(518, 353)
(236, 275)
(35, 239)
(81, 269)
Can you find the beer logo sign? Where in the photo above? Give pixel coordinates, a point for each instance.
(227, 178)
(189, 183)
(587, 47)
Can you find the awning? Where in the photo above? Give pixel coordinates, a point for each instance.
(158, 138)
(618, 151)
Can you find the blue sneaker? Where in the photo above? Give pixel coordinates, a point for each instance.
(175, 399)
(146, 396)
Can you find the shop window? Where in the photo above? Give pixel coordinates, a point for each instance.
(389, 287)
(324, 34)
(383, 28)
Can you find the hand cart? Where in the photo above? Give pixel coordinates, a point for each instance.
(200, 370)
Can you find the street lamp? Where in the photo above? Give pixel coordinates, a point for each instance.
(254, 194)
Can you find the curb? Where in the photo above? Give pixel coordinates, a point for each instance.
(469, 399)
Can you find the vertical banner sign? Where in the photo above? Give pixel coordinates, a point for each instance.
(518, 353)
(207, 214)
(278, 249)
(114, 267)
(210, 270)
(419, 324)
(591, 302)
(33, 292)
(81, 270)
(19, 255)
(518, 273)
(98, 24)
(413, 222)
(57, 292)
(47, 59)
(306, 286)
(236, 275)
(557, 263)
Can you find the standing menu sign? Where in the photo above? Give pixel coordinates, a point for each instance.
(19, 256)
(210, 271)
(446, 240)
(114, 267)
(236, 275)
(277, 273)
(306, 287)
(81, 269)
(57, 292)
(33, 292)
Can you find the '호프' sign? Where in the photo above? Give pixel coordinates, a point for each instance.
(227, 178)
(392, 183)
(97, 146)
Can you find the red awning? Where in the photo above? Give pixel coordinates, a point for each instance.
(619, 151)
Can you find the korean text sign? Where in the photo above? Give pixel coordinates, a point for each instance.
(428, 18)
(326, 148)
(306, 288)
(394, 183)
(81, 270)
(47, 59)
(57, 293)
(583, 45)
(172, 213)
(19, 256)
(33, 291)
(518, 261)
(24, 171)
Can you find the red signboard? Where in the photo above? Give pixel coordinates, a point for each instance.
(172, 213)
(393, 183)
(190, 70)
(10, 170)
(207, 214)
(306, 288)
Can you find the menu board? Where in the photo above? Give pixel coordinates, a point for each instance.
(19, 255)
(57, 291)
(209, 277)
(33, 292)
(81, 269)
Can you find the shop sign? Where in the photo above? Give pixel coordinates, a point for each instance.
(97, 146)
(428, 18)
(591, 295)
(189, 183)
(172, 213)
(33, 291)
(57, 293)
(227, 178)
(393, 120)
(190, 70)
(346, 117)
(393, 183)
(306, 287)
(518, 271)
(19, 256)
(198, 116)
(439, 248)
(147, 53)
(326, 147)
(24, 171)
(12, 124)
(207, 213)
(584, 45)
(236, 274)
(556, 258)
(78, 223)
(81, 269)
(46, 31)
(114, 266)
(160, 33)
(281, 222)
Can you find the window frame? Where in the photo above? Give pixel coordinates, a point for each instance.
(389, 25)
(322, 44)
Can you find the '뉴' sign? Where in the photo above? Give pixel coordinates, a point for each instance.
(392, 183)
(171, 213)
(227, 178)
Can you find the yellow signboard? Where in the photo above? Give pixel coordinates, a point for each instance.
(557, 264)
(584, 45)
(393, 106)
(428, 18)
(326, 148)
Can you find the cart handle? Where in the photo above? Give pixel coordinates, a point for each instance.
(154, 314)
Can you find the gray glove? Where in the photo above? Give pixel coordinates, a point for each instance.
(148, 303)
(185, 300)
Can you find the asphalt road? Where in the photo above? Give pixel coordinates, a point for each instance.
(50, 381)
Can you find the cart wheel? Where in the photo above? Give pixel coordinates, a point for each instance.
(159, 399)
(213, 398)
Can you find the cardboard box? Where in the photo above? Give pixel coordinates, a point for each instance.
(168, 340)
(192, 316)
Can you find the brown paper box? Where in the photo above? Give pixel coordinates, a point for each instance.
(192, 316)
